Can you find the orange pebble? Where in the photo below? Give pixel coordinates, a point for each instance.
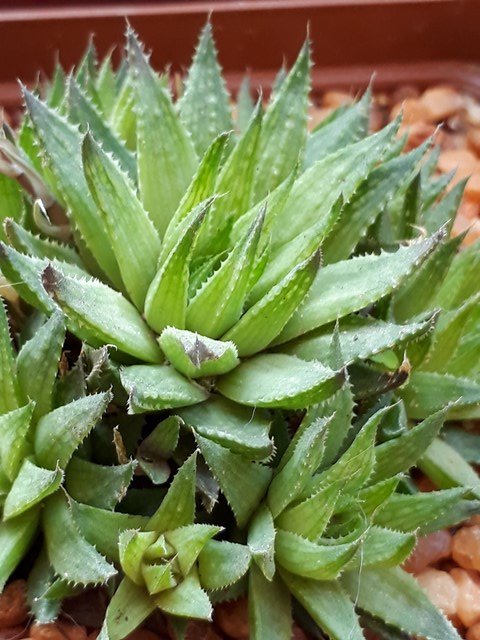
(472, 188)
(441, 589)
(468, 602)
(473, 521)
(13, 633)
(428, 550)
(57, 631)
(473, 140)
(232, 618)
(412, 109)
(336, 99)
(142, 634)
(442, 102)
(462, 161)
(197, 630)
(466, 547)
(13, 604)
(417, 133)
(298, 634)
(474, 632)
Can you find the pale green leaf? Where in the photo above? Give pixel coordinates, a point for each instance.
(30, 487)
(269, 603)
(98, 485)
(222, 564)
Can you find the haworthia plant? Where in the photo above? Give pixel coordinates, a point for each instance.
(236, 339)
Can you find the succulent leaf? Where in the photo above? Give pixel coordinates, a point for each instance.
(98, 485)
(157, 387)
(261, 541)
(269, 608)
(60, 432)
(8, 382)
(15, 444)
(412, 611)
(72, 557)
(222, 564)
(101, 315)
(16, 536)
(244, 431)
(165, 154)
(132, 235)
(205, 114)
(261, 381)
(30, 487)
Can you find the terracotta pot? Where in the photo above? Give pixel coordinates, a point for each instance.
(416, 41)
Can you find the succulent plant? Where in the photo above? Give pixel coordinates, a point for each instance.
(267, 310)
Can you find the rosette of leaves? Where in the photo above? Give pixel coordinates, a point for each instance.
(332, 527)
(216, 258)
(207, 254)
(41, 430)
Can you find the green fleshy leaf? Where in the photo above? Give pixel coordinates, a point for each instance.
(26, 242)
(40, 579)
(30, 487)
(244, 483)
(197, 356)
(72, 557)
(11, 201)
(157, 447)
(100, 315)
(235, 184)
(237, 428)
(128, 608)
(328, 604)
(245, 105)
(106, 86)
(400, 602)
(346, 127)
(187, 599)
(405, 512)
(97, 485)
(270, 614)
(167, 296)
(385, 182)
(132, 546)
(16, 536)
(205, 113)
(443, 213)
(132, 235)
(188, 542)
(417, 294)
(355, 466)
(60, 432)
(41, 355)
(322, 185)
(221, 564)
(340, 408)
(447, 468)
(303, 457)
(266, 319)
(178, 506)
(284, 127)
(102, 528)
(311, 560)
(465, 443)
(383, 547)
(279, 381)
(166, 157)
(449, 334)
(15, 443)
(123, 118)
(399, 454)
(83, 112)
(360, 338)
(309, 518)
(427, 392)
(158, 577)
(261, 541)
(200, 189)
(219, 302)
(23, 272)
(460, 282)
(365, 279)
(60, 147)
(157, 387)
(8, 382)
